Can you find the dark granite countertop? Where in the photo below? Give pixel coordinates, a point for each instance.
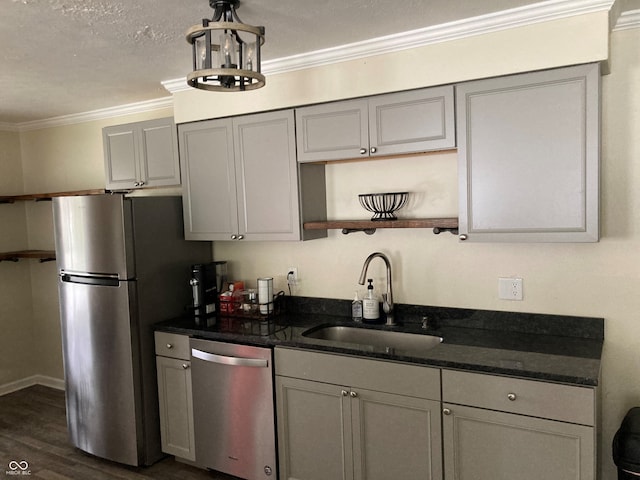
(553, 348)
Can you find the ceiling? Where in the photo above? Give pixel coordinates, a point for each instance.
(65, 57)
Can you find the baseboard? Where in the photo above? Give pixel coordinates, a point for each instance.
(51, 382)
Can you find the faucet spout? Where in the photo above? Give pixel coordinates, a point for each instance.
(388, 296)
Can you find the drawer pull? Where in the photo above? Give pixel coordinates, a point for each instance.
(512, 397)
(185, 366)
(353, 394)
(446, 411)
(169, 346)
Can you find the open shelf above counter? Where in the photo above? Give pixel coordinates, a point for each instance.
(369, 226)
(48, 196)
(42, 255)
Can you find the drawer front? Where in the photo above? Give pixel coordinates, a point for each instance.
(377, 375)
(172, 345)
(526, 397)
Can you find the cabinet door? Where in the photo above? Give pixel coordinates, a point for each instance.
(266, 175)
(160, 165)
(414, 121)
(396, 436)
(333, 131)
(484, 444)
(121, 162)
(314, 430)
(176, 407)
(528, 149)
(209, 187)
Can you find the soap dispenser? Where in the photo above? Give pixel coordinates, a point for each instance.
(370, 304)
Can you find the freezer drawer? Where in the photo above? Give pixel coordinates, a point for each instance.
(233, 409)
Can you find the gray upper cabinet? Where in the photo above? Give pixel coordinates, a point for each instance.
(241, 178)
(142, 154)
(528, 149)
(396, 123)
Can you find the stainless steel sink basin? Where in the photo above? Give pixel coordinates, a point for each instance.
(373, 337)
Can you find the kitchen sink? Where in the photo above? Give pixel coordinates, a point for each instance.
(373, 337)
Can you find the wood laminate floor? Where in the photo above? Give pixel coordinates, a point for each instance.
(33, 428)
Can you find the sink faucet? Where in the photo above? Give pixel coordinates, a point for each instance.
(387, 298)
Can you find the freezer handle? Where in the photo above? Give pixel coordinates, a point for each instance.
(226, 360)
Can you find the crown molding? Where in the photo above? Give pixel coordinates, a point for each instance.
(101, 114)
(516, 17)
(627, 20)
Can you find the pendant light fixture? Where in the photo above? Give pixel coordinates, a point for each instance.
(226, 52)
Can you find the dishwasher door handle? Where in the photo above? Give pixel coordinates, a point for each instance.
(226, 360)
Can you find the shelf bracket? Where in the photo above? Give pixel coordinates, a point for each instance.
(439, 230)
(368, 231)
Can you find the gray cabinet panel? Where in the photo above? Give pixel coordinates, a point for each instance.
(414, 121)
(529, 156)
(405, 122)
(333, 131)
(209, 198)
(266, 173)
(176, 407)
(141, 154)
(488, 445)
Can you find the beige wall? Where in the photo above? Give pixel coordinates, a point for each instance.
(599, 279)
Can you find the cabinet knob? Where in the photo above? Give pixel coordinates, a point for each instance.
(373, 149)
(344, 393)
(185, 365)
(446, 411)
(462, 237)
(363, 151)
(512, 397)
(234, 237)
(353, 394)
(240, 237)
(169, 346)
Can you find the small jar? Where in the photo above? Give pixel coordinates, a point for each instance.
(250, 301)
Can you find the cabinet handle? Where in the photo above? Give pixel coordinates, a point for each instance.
(446, 411)
(512, 397)
(234, 237)
(363, 151)
(373, 149)
(136, 184)
(140, 184)
(463, 237)
(353, 394)
(240, 237)
(169, 346)
(185, 366)
(344, 393)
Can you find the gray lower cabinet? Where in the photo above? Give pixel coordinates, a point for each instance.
(351, 418)
(141, 154)
(175, 395)
(498, 428)
(528, 149)
(241, 178)
(391, 124)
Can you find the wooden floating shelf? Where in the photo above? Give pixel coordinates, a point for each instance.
(370, 226)
(48, 196)
(42, 255)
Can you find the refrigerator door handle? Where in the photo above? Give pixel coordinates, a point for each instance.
(227, 360)
(90, 279)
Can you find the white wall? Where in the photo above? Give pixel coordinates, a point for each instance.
(599, 279)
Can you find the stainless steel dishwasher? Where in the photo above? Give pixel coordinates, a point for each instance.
(233, 409)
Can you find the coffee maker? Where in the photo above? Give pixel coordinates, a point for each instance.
(206, 282)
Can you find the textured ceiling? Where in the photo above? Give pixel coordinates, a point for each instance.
(61, 57)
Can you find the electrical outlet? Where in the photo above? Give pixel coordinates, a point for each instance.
(292, 276)
(510, 288)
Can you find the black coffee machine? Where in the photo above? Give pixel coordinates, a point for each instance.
(206, 282)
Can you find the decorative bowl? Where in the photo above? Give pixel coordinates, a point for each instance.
(383, 205)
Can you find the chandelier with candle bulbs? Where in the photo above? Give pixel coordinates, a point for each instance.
(226, 52)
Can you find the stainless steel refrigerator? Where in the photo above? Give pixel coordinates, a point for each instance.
(123, 265)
